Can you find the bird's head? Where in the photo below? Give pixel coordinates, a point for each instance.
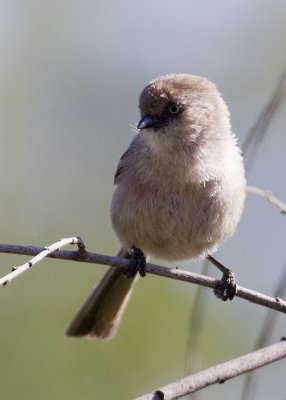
(182, 108)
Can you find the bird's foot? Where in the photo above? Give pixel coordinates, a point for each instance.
(137, 263)
(226, 287)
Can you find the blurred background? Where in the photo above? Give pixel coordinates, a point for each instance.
(70, 76)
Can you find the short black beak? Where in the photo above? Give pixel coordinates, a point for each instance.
(150, 121)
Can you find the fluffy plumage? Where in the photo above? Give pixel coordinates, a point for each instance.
(180, 189)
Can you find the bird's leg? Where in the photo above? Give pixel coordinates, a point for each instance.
(226, 287)
(137, 263)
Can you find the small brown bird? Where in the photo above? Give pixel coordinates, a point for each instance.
(180, 191)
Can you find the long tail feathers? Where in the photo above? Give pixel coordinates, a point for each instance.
(102, 311)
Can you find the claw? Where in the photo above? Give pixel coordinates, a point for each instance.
(137, 263)
(226, 287)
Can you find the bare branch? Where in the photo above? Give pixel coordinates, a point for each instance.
(219, 373)
(265, 333)
(267, 195)
(259, 129)
(173, 273)
(193, 354)
(44, 252)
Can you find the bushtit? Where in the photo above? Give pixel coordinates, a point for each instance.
(180, 190)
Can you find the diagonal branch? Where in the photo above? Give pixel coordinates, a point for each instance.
(259, 129)
(270, 319)
(193, 354)
(265, 194)
(94, 258)
(40, 255)
(219, 373)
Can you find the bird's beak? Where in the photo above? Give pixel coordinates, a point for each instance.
(150, 121)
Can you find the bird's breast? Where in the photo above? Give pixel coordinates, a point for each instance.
(168, 222)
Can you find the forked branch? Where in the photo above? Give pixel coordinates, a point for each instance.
(81, 255)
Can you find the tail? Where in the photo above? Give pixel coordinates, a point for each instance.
(102, 311)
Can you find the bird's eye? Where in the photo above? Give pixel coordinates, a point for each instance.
(174, 108)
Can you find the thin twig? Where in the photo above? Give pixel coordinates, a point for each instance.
(250, 149)
(193, 353)
(259, 129)
(173, 273)
(267, 195)
(219, 373)
(250, 382)
(44, 252)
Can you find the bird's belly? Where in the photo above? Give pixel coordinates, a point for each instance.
(169, 226)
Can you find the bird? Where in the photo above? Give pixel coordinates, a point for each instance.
(179, 192)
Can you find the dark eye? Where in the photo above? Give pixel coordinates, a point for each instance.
(174, 108)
